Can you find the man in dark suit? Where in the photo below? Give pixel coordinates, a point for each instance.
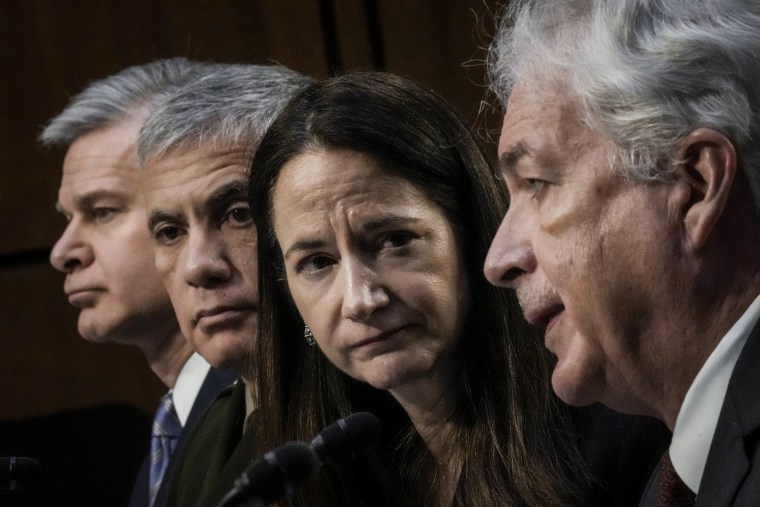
(196, 150)
(631, 150)
(105, 250)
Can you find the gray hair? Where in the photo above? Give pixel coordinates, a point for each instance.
(117, 97)
(234, 104)
(646, 73)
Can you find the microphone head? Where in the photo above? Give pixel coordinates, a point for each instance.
(296, 462)
(273, 477)
(17, 473)
(346, 436)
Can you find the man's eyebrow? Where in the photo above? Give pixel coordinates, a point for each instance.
(88, 200)
(233, 189)
(155, 217)
(509, 159)
(303, 245)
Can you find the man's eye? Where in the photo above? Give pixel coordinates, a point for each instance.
(240, 215)
(535, 186)
(167, 234)
(103, 214)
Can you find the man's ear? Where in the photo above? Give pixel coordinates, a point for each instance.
(705, 175)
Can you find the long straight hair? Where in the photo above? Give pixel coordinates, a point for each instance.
(509, 435)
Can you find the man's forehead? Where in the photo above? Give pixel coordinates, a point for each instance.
(195, 177)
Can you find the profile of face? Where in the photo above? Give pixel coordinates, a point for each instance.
(105, 249)
(205, 243)
(586, 249)
(373, 267)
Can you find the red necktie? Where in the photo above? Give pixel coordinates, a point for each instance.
(671, 490)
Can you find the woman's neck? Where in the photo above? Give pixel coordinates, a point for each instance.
(430, 403)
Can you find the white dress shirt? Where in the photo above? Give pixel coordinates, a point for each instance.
(698, 417)
(189, 382)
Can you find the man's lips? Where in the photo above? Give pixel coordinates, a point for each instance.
(543, 318)
(82, 296)
(223, 314)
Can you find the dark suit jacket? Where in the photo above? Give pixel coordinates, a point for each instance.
(216, 380)
(218, 449)
(732, 471)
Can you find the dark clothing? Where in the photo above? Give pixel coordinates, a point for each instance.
(730, 476)
(216, 380)
(219, 448)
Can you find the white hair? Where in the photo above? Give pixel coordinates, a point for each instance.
(232, 105)
(117, 97)
(645, 72)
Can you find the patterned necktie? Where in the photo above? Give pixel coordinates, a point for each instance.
(671, 490)
(166, 431)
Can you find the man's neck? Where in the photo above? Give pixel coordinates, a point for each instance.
(706, 332)
(167, 359)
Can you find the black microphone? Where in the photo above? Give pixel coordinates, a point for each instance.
(281, 471)
(346, 436)
(18, 474)
(274, 476)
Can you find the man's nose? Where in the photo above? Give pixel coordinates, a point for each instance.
(71, 251)
(206, 262)
(510, 256)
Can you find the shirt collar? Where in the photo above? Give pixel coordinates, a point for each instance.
(189, 382)
(698, 417)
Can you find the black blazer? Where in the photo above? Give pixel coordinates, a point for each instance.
(219, 448)
(732, 471)
(216, 380)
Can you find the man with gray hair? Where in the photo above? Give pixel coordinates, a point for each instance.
(631, 151)
(107, 255)
(196, 151)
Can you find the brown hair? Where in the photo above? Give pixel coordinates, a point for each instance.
(509, 435)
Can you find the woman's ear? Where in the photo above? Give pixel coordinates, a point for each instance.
(704, 176)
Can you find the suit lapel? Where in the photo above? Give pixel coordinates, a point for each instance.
(727, 463)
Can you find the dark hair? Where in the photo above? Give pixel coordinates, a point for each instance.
(508, 435)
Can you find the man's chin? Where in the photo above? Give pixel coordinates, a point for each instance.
(225, 353)
(573, 387)
(92, 333)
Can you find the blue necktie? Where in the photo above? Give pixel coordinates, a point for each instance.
(166, 431)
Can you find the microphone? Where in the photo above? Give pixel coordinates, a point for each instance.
(280, 472)
(346, 436)
(274, 476)
(18, 474)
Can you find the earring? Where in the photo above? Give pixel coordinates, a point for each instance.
(308, 336)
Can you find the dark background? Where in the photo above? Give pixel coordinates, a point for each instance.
(49, 50)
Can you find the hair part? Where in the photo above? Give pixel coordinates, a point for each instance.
(233, 104)
(645, 73)
(118, 97)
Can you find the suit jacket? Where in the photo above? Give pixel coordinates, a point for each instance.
(732, 471)
(218, 450)
(216, 380)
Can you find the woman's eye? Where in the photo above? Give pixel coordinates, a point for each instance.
(397, 240)
(315, 263)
